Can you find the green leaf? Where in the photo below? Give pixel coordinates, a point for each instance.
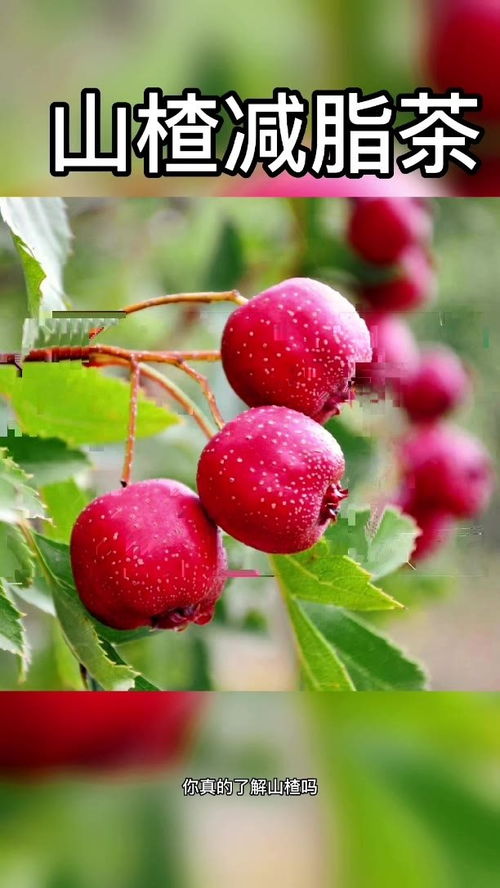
(227, 264)
(16, 560)
(379, 547)
(18, 498)
(42, 236)
(463, 820)
(372, 661)
(47, 460)
(360, 451)
(67, 666)
(78, 627)
(64, 501)
(316, 575)
(65, 331)
(391, 544)
(12, 634)
(78, 404)
(141, 683)
(323, 671)
(407, 777)
(38, 593)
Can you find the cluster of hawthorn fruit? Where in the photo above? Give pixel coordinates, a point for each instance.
(445, 472)
(151, 553)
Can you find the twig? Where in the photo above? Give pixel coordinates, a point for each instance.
(103, 355)
(135, 378)
(170, 388)
(207, 391)
(227, 296)
(178, 395)
(56, 354)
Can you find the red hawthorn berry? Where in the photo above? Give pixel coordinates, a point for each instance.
(438, 385)
(78, 732)
(436, 529)
(148, 555)
(271, 478)
(410, 287)
(436, 526)
(463, 50)
(446, 468)
(484, 183)
(381, 228)
(295, 345)
(395, 353)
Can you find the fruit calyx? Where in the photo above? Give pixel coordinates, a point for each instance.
(179, 618)
(331, 503)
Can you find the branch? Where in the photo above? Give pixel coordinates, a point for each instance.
(227, 296)
(207, 391)
(135, 378)
(105, 355)
(170, 388)
(178, 395)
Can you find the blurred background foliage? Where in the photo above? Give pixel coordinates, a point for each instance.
(128, 250)
(408, 794)
(51, 50)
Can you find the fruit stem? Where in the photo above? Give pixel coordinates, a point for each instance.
(226, 296)
(178, 395)
(171, 389)
(135, 378)
(106, 355)
(207, 391)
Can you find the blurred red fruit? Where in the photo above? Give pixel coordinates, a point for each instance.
(484, 183)
(439, 385)
(436, 529)
(446, 468)
(48, 733)
(412, 286)
(463, 50)
(381, 228)
(436, 526)
(395, 353)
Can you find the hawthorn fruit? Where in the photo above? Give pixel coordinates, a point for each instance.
(295, 345)
(148, 555)
(271, 479)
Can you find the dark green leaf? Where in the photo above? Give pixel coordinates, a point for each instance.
(16, 560)
(47, 460)
(359, 451)
(12, 634)
(372, 661)
(227, 264)
(323, 670)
